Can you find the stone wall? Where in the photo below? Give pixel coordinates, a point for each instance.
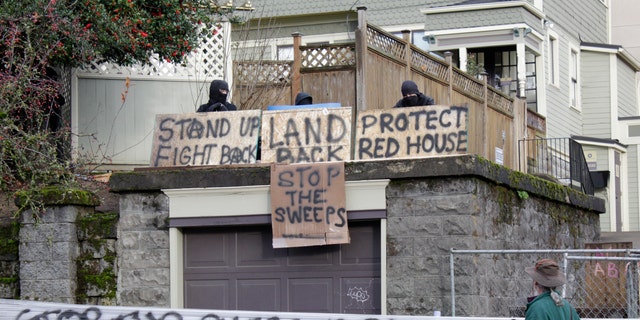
(434, 204)
(9, 265)
(64, 254)
(426, 218)
(143, 250)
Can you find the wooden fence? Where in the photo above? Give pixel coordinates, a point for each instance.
(367, 74)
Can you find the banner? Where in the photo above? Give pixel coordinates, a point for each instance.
(308, 204)
(411, 132)
(207, 138)
(306, 135)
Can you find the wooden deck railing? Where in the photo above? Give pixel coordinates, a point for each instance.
(370, 78)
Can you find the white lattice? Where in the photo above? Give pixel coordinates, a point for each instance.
(206, 62)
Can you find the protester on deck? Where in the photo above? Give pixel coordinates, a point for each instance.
(546, 303)
(412, 97)
(218, 92)
(303, 98)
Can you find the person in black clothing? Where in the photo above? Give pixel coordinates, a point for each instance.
(303, 98)
(412, 97)
(218, 92)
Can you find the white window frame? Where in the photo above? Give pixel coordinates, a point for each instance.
(574, 77)
(554, 59)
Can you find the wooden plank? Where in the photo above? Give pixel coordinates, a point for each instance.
(412, 132)
(308, 204)
(208, 138)
(306, 135)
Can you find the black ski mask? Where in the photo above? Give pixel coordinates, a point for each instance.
(410, 92)
(411, 100)
(215, 94)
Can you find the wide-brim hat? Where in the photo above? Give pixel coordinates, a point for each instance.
(547, 273)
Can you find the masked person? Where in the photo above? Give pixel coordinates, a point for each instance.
(412, 97)
(546, 303)
(218, 92)
(303, 98)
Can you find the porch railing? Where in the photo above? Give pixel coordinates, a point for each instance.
(561, 159)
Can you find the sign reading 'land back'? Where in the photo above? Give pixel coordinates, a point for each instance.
(308, 204)
(209, 138)
(411, 132)
(306, 135)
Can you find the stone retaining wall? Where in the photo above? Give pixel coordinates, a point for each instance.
(434, 205)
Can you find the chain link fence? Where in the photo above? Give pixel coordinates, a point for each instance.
(601, 283)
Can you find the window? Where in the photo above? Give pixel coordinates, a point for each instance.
(554, 65)
(530, 89)
(285, 53)
(574, 89)
(500, 64)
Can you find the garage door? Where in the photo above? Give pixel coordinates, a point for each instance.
(236, 268)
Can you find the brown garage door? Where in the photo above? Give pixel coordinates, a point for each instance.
(236, 268)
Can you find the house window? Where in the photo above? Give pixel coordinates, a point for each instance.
(530, 89)
(285, 53)
(554, 66)
(506, 70)
(574, 91)
(500, 63)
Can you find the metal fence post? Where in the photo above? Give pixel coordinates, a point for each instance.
(632, 290)
(453, 283)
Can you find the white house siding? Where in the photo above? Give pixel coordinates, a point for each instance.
(126, 141)
(478, 18)
(627, 99)
(379, 12)
(596, 95)
(633, 190)
(562, 120)
(586, 19)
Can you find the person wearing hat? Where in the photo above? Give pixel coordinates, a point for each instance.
(547, 304)
(303, 98)
(218, 91)
(412, 97)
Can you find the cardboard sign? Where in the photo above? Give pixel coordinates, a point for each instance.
(306, 135)
(207, 138)
(411, 132)
(308, 204)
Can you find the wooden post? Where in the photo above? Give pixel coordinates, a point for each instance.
(406, 36)
(448, 56)
(361, 74)
(485, 106)
(296, 81)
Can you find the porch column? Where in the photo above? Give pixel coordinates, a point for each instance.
(522, 70)
(462, 53)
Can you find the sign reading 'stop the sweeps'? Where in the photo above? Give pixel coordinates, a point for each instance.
(308, 204)
(208, 138)
(306, 135)
(411, 132)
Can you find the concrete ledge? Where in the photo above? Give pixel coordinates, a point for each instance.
(155, 179)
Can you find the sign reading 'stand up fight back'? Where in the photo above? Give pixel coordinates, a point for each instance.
(308, 205)
(208, 138)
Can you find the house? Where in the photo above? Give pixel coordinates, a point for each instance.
(583, 87)
(199, 237)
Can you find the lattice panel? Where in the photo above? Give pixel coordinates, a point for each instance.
(332, 56)
(207, 61)
(429, 65)
(387, 44)
(462, 82)
(497, 101)
(262, 72)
